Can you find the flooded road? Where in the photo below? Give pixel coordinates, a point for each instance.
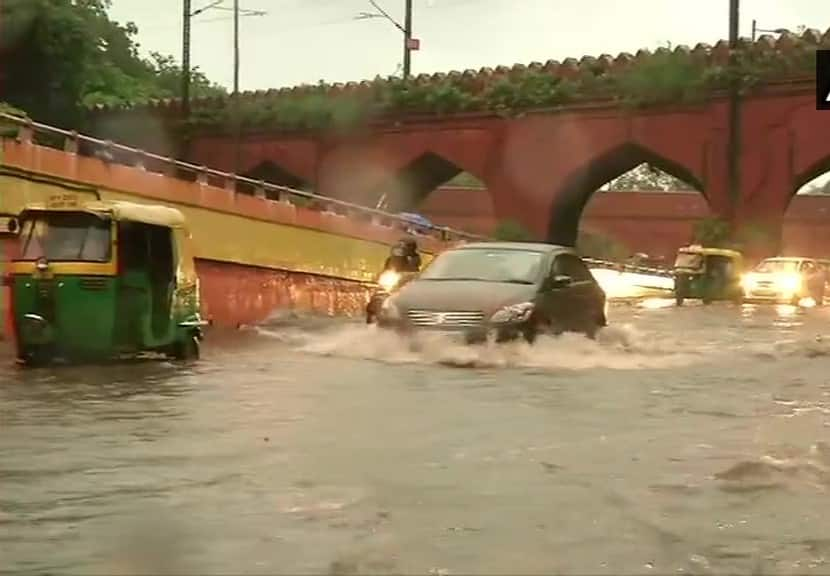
(684, 440)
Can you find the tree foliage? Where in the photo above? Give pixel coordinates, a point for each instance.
(647, 178)
(816, 188)
(601, 247)
(663, 78)
(60, 56)
(713, 233)
(512, 231)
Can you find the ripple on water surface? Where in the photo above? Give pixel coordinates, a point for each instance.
(685, 439)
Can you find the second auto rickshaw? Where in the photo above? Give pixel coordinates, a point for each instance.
(708, 274)
(96, 279)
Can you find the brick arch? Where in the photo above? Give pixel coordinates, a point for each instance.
(810, 148)
(358, 170)
(408, 187)
(819, 168)
(273, 173)
(578, 188)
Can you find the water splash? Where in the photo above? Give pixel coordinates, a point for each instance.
(617, 347)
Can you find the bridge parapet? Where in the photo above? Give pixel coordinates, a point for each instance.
(659, 77)
(27, 132)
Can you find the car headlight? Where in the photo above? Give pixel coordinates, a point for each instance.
(748, 282)
(788, 282)
(513, 313)
(389, 311)
(388, 280)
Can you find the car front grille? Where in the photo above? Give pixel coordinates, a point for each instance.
(449, 319)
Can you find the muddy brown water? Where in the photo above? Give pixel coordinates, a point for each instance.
(684, 440)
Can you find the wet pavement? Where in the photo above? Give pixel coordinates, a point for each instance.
(683, 440)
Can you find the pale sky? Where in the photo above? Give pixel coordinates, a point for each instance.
(304, 41)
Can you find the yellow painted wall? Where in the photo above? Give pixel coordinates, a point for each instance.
(230, 238)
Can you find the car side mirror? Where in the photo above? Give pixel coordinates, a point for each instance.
(558, 281)
(11, 226)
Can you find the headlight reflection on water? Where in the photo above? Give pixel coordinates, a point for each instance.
(630, 285)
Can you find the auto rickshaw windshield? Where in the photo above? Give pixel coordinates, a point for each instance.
(65, 237)
(688, 260)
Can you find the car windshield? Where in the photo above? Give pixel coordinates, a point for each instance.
(486, 265)
(775, 266)
(65, 237)
(686, 260)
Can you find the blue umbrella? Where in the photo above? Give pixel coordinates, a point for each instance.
(416, 219)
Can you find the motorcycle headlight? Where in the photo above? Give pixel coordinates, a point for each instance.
(513, 313)
(388, 280)
(389, 310)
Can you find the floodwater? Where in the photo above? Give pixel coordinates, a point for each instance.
(684, 440)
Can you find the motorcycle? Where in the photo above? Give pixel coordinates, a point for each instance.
(388, 281)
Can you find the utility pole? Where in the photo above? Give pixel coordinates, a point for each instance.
(236, 47)
(186, 29)
(734, 144)
(407, 40)
(409, 43)
(237, 124)
(186, 61)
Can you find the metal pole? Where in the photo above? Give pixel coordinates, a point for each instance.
(186, 60)
(734, 11)
(235, 46)
(237, 123)
(754, 28)
(733, 148)
(407, 36)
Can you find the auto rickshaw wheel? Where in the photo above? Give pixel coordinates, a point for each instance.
(187, 349)
(31, 361)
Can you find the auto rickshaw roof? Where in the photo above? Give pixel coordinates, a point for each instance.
(711, 251)
(118, 210)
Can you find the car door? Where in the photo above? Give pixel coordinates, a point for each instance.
(573, 304)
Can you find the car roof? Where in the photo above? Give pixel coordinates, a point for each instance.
(524, 246)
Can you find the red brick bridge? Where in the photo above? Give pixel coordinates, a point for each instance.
(655, 223)
(542, 166)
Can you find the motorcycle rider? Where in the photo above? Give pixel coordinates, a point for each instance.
(404, 257)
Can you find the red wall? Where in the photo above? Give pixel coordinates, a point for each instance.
(654, 223)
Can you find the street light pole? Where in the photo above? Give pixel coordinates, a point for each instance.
(407, 39)
(755, 30)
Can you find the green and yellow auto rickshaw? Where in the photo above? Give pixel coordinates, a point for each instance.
(708, 274)
(95, 280)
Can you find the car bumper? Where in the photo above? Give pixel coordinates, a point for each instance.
(775, 296)
(468, 334)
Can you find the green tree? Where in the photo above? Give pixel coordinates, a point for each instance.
(815, 188)
(601, 247)
(712, 233)
(512, 231)
(60, 56)
(647, 178)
